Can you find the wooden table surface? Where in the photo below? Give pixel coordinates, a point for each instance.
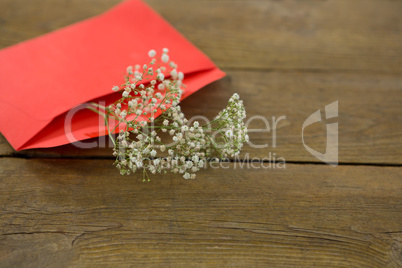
(69, 207)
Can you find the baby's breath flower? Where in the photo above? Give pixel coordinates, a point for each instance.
(123, 114)
(165, 58)
(173, 73)
(129, 69)
(160, 76)
(152, 53)
(180, 76)
(189, 147)
(161, 86)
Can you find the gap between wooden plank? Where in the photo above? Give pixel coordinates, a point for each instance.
(230, 160)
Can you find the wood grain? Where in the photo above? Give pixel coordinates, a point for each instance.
(284, 58)
(369, 109)
(20, 20)
(82, 213)
(333, 35)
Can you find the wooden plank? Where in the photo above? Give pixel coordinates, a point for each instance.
(20, 21)
(83, 213)
(369, 115)
(333, 35)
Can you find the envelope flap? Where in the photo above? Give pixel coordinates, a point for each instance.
(49, 75)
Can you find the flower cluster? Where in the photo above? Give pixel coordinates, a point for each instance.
(156, 137)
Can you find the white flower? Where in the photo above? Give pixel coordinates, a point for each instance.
(173, 65)
(180, 76)
(152, 53)
(189, 164)
(192, 146)
(229, 133)
(173, 73)
(165, 58)
(160, 76)
(124, 143)
(138, 164)
(200, 163)
(246, 138)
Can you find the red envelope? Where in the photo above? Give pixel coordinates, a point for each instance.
(44, 78)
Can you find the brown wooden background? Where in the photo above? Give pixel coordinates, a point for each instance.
(69, 207)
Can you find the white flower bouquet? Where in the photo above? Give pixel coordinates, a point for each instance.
(156, 89)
